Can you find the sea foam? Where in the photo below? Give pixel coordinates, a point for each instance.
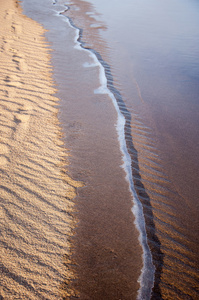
(146, 278)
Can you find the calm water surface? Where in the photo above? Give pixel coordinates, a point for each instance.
(152, 50)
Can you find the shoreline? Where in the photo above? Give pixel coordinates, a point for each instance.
(146, 278)
(171, 237)
(60, 117)
(103, 207)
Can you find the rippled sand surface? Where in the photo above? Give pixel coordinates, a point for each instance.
(35, 192)
(107, 256)
(162, 144)
(45, 252)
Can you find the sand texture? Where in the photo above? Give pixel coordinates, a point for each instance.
(160, 132)
(35, 194)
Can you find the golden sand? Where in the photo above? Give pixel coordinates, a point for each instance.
(36, 194)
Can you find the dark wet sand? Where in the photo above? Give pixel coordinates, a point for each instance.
(106, 248)
(106, 255)
(103, 245)
(164, 128)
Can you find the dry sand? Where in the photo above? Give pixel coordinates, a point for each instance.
(36, 194)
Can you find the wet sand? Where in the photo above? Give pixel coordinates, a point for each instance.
(52, 246)
(36, 208)
(163, 128)
(64, 242)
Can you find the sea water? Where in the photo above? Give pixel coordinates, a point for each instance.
(149, 52)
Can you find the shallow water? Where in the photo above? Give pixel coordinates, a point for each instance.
(151, 51)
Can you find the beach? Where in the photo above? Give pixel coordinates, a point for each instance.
(99, 150)
(36, 192)
(44, 254)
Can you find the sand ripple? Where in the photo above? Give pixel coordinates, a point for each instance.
(35, 192)
(172, 252)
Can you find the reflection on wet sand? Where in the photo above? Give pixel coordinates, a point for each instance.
(166, 193)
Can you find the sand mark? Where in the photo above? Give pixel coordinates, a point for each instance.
(9, 14)
(17, 28)
(4, 154)
(21, 64)
(35, 193)
(6, 46)
(13, 81)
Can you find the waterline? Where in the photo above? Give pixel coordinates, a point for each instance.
(146, 279)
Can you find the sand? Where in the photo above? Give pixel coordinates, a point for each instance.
(163, 141)
(55, 244)
(36, 195)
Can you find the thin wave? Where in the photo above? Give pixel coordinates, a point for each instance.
(146, 278)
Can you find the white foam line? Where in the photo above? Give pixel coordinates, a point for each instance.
(146, 279)
(89, 65)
